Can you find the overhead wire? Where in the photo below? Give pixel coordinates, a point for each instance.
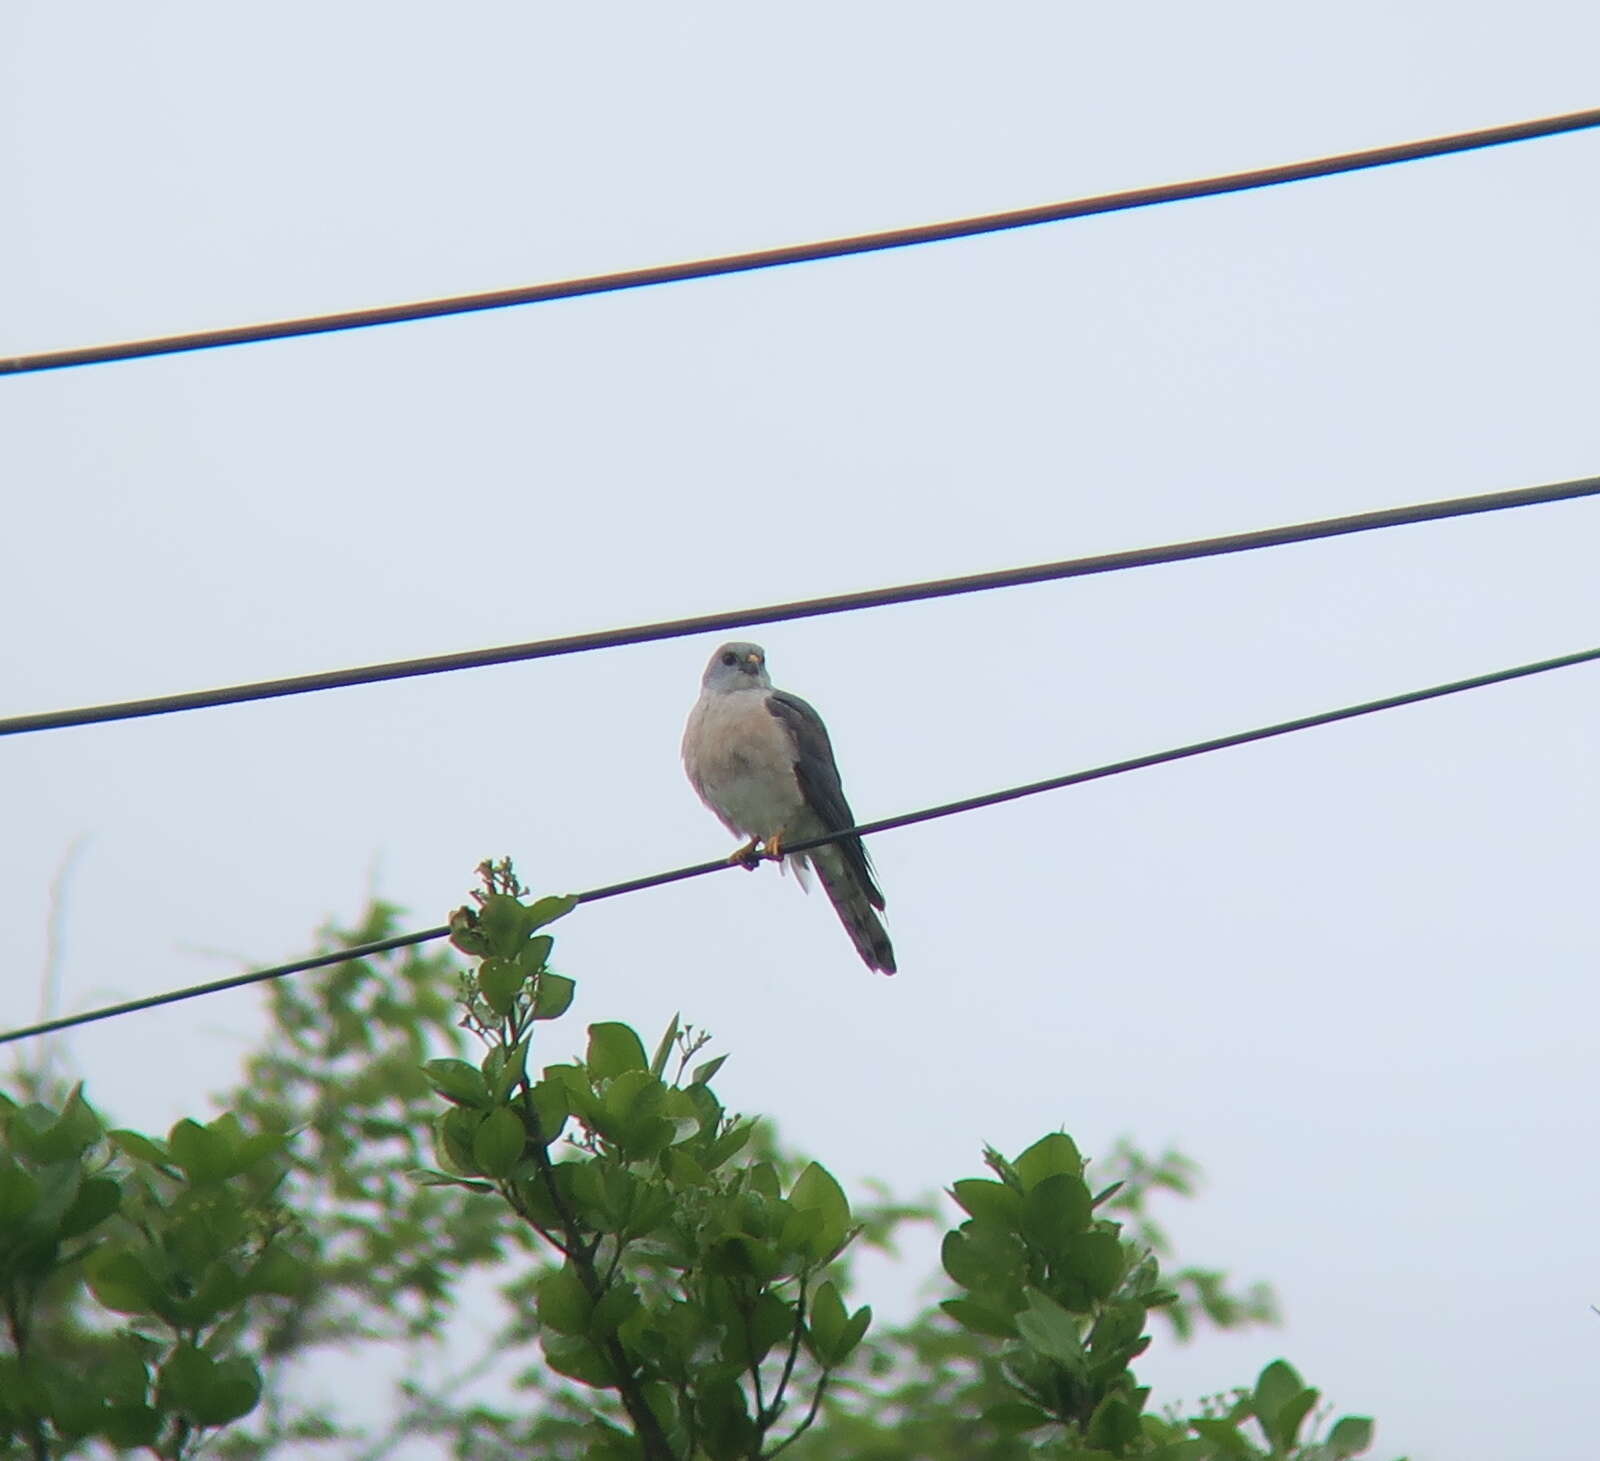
(807, 608)
(834, 248)
(864, 829)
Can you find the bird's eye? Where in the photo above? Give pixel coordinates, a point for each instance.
(730, 658)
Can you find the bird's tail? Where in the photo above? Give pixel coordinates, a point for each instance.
(852, 902)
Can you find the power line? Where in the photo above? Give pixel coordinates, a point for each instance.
(864, 829)
(812, 252)
(805, 608)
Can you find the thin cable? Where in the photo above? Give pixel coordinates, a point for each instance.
(835, 248)
(865, 829)
(805, 608)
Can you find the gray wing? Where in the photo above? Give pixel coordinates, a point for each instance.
(818, 775)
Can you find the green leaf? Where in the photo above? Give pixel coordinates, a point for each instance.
(683, 1111)
(1293, 1416)
(500, 980)
(1226, 1437)
(729, 1144)
(563, 1302)
(19, 1191)
(799, 1228)
(444, 1179)
(97, 1199)
(457, 1081)
(221, 1290)
(706, 1069)
(547, 910)
(1014, 1416)
(198, 1233)
(129, 1427)
(615, 1305)
(1350, 1436)
(726, 1430)
(184, 1378)
(278, 1271)
(78, 1121)
(45, 1137)
(504, 924)
(576, 1081)
(122, 1376)
(658, 1062)
(1055, 1155)
(231, 1390)
(579, 1359)
(854, 1331)
(504, 1067)
(1118, 1332)
(1055, 1212)
(738, 1255)
(987, 1260)
(552, 1104)
(141, 1148)
(453, 1131)
(981, 1197)
(535, 953)
(628, 1113)
(122, 1282)
(253, 1148)
(1096, 1260)
(815, 1190)
(608, 1443)
(234, 1148)
(613, 1049)
(1278, 1384)
(828, 1321)
(1051, 1331)
(682, 1170)
(980, 1318)
(1114, 1426)
(73, 1408)
(1281, 1402)
(202, 1153)
(498, 1142)
(553, 997)
(766, 1322)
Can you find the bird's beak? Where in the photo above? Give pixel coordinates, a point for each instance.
(753, 660)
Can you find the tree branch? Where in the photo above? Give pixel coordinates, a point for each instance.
(581, 1256)
(805, 1425)
(794, 1348)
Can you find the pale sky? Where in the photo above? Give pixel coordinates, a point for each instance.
(1350, 972)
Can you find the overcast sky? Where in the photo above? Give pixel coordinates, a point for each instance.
(1350, 972)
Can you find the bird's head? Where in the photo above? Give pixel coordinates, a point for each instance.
(737, 666)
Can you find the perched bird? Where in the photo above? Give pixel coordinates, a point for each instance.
(761, 760)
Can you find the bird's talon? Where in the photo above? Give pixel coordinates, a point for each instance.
(749, 856)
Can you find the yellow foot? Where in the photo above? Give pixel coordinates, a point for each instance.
(773, 846)
(748, 855)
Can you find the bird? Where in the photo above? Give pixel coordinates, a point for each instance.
(761, 760)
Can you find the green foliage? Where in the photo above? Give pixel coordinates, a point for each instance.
(351, 1068)
(674, 1284)
(1032, 1358)
(127, 1268)
(699, 1297)
(691, 1287)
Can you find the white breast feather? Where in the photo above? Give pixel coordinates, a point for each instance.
(741, 761)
